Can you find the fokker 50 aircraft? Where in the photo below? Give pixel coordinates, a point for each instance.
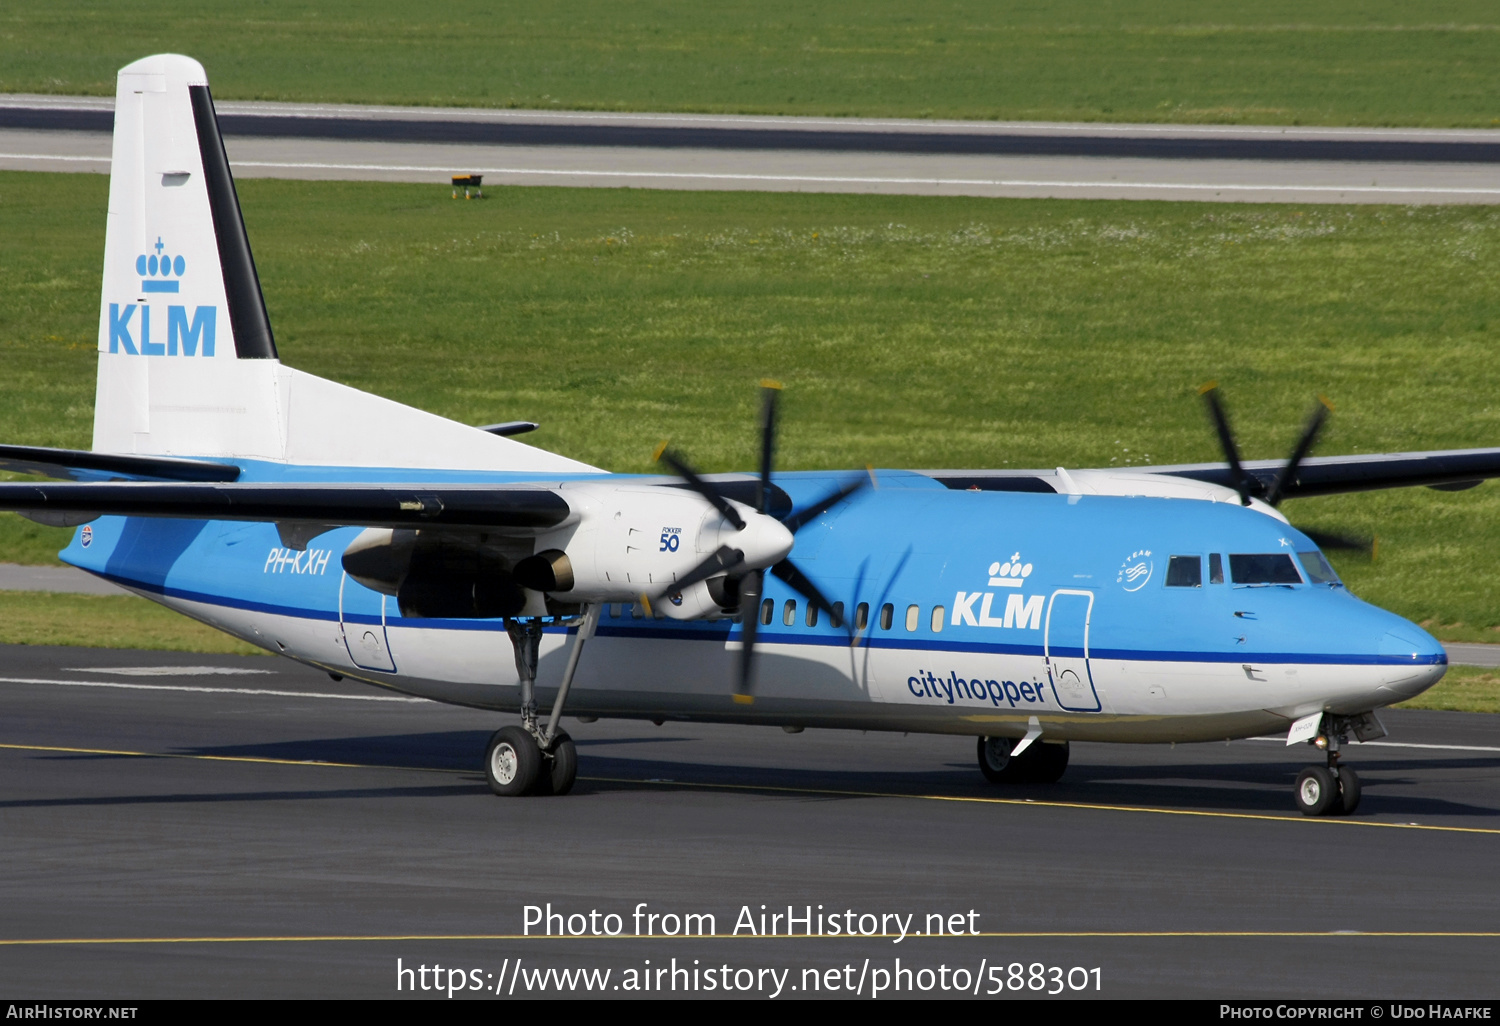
(382, 543)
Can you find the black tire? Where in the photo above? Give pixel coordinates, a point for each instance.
(512, 762)
(995, 761)
(1317, 791)
(562, 766)
(1045, 762)
(1350, 791)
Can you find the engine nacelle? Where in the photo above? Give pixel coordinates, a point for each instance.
(635, 540)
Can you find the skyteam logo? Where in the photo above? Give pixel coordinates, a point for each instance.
(1135, 572)
(130, 324)
(1023, 612)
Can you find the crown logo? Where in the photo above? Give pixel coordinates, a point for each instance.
(1009, 574)
(159, 271)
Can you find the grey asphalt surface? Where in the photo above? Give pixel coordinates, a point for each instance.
(149, 795)
(1018, 159)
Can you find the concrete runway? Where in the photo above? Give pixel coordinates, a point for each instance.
(1018, 159)
(194, 826)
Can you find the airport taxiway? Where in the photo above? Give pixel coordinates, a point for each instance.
(850, 155)
(187, 825)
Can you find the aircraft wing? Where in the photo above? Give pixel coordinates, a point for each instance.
(1449, 470)
(80, 465)
(363, 505)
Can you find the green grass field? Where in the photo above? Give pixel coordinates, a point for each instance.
(910, 332)
(1337, 62)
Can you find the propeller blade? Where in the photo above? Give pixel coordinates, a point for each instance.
(769, 389)
(787, 571)
(719, 562)
(750, 587)
(702, 487)
(1348, 543)
(1243, 482)
(1287, 474)
(823, 505)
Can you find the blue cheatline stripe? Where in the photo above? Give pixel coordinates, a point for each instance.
(721, 631)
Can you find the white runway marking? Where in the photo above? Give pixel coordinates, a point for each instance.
(205, 690)
(1016, 183)
(165, 671)
(1399, 744)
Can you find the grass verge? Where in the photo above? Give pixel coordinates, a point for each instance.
(910, 332)
(1337, 62)
(107, 621)
(1462, 689)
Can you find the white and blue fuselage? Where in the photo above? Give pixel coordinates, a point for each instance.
(983, 613)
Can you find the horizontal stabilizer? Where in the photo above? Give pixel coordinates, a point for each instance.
(79, 465)
(518, 509)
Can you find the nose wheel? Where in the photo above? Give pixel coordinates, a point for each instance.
(1332, 789)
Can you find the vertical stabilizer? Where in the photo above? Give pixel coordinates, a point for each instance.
(187, 362)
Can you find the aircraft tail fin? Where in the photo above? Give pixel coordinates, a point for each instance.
(187, 360)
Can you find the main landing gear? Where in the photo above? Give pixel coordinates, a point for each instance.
(1332, 789)
(1039, 763)
(531, 759)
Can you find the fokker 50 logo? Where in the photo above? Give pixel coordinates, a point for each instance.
(161, 271)
(1021, 611)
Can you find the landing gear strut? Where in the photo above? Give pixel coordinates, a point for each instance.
(1332, 789)
(531, 759)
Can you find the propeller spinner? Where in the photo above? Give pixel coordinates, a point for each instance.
(749, 583)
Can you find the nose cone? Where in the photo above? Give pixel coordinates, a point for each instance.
(1412, 659)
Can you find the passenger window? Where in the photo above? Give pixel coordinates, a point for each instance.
(789, 612)
(767, 610)
(812, 615)
(1215, 568)
(837, 619)
(1263, 568)
(1318, 570)
(1185, 572)
(862, 616)
(636, 612)
(887, 614)
(937, 619)
(913, 614)
(615, 609)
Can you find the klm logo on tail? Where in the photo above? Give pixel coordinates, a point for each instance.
(130, 325)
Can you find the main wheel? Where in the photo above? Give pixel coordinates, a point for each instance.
(1349, 792)
(512, 762)
(1317, 791)
(562, 767)
(995, 761)
(1044, 762)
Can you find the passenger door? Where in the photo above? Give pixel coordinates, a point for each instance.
(1066, 642)
(362, 621)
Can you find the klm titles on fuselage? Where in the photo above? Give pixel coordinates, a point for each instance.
(1021, 611)
(188, 336)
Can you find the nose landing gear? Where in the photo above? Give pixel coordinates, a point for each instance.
(1333, 789)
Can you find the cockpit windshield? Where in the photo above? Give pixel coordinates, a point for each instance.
(1263, 568)
(1318, 570)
